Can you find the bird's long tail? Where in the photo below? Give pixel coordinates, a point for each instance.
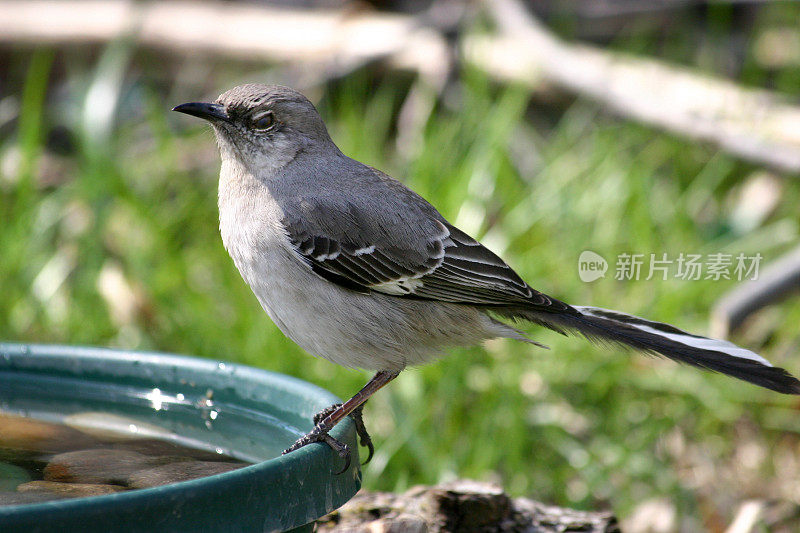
(657, 338)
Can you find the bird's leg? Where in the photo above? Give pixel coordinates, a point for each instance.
(356, 415)
(322, 427)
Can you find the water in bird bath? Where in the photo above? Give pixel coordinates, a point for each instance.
(62, 438)
(42, 460)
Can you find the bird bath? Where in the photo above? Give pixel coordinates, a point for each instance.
(246, 413)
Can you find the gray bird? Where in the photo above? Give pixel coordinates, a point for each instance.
(356, 268)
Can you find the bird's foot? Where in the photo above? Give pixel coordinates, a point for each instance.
(320, 434)
(326, 420)
(361, 430)
(342, 449)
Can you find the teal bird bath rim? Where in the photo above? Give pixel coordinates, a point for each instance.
(247, 413)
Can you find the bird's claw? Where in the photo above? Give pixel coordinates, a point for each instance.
(361, 430)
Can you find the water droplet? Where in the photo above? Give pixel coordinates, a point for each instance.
(156, 398)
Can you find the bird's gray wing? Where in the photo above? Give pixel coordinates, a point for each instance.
(471, 273)
(429, 259)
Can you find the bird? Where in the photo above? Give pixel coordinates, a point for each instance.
(355, 267)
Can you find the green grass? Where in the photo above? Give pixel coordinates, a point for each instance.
(576, 425)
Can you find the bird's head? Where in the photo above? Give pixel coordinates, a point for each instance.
(262, 126)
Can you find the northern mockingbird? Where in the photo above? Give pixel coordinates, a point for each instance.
(356, 268)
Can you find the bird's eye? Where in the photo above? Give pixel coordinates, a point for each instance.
(264, 121)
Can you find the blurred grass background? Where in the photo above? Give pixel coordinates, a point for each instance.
(109, 236)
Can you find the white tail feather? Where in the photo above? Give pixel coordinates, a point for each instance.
(674, 334)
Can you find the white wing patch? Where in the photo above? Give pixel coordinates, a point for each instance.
(365, 250)
(409, 284)
(399, 287)
(326, 257)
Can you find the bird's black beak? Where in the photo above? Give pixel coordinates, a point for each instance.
(212, 112)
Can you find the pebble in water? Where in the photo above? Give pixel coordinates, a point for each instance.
(102, 466)
(175, 472)
(35, 436)
(73, 490)
(11, 476)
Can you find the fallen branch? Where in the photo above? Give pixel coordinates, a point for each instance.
(776, 282)
(756, 125)
(335, 41)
